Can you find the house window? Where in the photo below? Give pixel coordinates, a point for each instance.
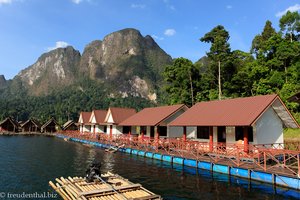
(105, 129)
(143, 129)
(126, 129)
(239, 133)
(202, 132)
(162, 130)
(250, 133)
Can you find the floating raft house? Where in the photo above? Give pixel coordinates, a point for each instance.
(109, 187)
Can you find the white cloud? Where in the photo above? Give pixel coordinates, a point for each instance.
(141, 6)
(169, 6)
(229, 6)
(293, 8)
(170, 32)
(58, 44)
(77, 1)
(2, 2)
(157, 37)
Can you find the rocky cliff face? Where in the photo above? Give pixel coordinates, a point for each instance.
(129, 62)
(3, 82)
(54, 69)
(125, 62)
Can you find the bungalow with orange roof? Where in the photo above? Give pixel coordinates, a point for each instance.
(254, 120)
(51, 126)
(97, 121)
(31, 125)
(114, 117)
(155, 121)
(70, 125)
(83, 121)
(9, 125)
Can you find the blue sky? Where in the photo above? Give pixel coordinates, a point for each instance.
(29, 28)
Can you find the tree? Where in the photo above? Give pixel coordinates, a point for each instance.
(219, 50)
(259, 46)
(181, 79)
(286, 53)
(290, 24)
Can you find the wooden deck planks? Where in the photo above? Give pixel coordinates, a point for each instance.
(114, 187)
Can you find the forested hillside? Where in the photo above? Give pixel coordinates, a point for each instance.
(65, 104)
(271, 66)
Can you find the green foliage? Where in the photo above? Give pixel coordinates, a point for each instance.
(181, 81)
(290, 24)
(271, 66)
(259, 43)
(218, 37)
(65, 104)
(290, 134)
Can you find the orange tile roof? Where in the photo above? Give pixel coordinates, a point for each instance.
(100, 116)
(152, 116)
(85, 116)
(230, 112)
(120, 114)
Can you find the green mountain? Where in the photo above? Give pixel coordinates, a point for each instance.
(125, 62)
(124, 69)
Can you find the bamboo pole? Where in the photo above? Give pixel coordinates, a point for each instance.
(57, 189)
(70, 186)
(62, 190)
(66, 189)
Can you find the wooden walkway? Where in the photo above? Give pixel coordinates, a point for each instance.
(266, 158)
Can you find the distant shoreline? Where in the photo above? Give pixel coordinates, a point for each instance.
(26, 134)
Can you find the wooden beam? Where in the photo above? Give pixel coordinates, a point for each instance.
(110, 189)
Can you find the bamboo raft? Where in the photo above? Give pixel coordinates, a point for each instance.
(108, 187)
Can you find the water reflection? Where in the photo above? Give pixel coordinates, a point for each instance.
(28, 163)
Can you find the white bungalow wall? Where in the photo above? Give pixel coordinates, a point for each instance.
(191, 132)
(148, 129)
(134, 130)
(110, 118)
(92, 129)
(118, 130)
(173, 131)
(99, 129)
(115, 129)
(86, 128)
(268, 129)
(230, 135)
(93, 119)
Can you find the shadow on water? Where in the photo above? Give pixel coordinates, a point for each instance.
(28, 163)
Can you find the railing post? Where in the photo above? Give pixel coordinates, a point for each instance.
(298, 158)
(110, 131)
(246, 140)
(184, 133)
(265, 161)
(157, 134)
(211, 139)
(142, 136)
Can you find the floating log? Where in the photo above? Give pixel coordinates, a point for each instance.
(107, 187)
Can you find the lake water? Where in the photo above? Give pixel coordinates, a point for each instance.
(27, 163)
